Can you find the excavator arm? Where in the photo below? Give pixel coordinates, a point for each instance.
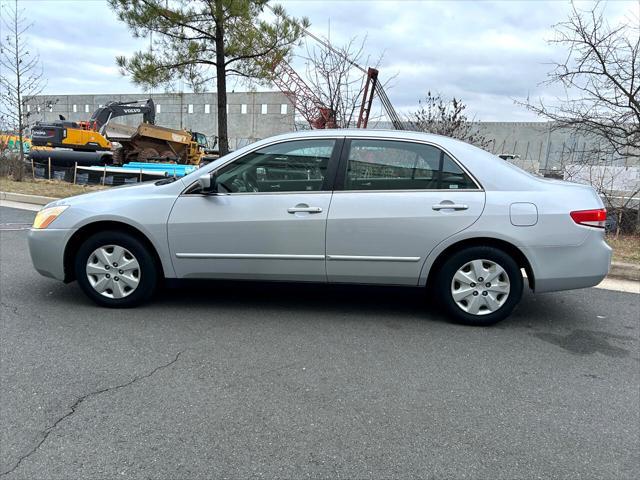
(104, 114)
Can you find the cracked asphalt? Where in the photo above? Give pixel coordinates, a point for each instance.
(229, 380)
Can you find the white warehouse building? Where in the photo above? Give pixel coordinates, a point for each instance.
(251, 115)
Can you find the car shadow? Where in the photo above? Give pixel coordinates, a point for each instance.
(404, 302)
(393, 305)
(397, 303)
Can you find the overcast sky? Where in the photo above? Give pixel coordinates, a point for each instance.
(487, 53)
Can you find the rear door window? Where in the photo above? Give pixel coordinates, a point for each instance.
(399, 165)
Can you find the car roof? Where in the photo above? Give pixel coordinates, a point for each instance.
(455, 147)
(371, 132)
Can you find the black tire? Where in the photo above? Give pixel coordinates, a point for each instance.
(118, 156)
(169, 156)
(148, 270)
(445, 277)
(148, 155)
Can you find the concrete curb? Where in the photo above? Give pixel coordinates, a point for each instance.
(626, 271)
(24, 198)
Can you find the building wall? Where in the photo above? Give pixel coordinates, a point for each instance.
(247, 120)
(539, 147)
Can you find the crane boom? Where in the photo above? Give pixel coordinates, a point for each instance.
(367, 97)
(302, 97)
(372, 85)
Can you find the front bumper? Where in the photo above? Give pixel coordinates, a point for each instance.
(46, 247)
(570, 267)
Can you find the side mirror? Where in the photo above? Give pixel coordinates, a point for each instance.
(207, 183)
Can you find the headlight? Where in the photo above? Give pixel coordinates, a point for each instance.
(47, 215)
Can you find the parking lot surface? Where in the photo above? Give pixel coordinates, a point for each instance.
(228, 380)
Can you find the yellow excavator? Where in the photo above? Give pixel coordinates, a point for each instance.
(88, 136)
(148, 143)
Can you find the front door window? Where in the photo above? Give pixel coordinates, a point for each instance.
(298, 166)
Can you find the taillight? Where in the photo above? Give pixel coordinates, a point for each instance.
(590, 218)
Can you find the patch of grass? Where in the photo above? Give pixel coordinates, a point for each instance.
(46, 188)
(626, 248)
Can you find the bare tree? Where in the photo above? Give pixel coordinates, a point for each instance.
(601, 78)
(335, 78)
(446, 117)
(21, 77)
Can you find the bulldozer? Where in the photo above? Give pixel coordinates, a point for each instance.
(146, 143)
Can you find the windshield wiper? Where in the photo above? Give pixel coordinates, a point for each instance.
(166, 181)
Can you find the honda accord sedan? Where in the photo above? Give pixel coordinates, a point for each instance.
(336, 206)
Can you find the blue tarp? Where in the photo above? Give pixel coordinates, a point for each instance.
(170, 169)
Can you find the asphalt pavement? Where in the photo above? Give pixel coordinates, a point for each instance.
(236, 380)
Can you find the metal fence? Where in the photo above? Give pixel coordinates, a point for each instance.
(87, 175)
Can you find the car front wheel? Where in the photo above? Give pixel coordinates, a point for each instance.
(479, 285)
(115, 269)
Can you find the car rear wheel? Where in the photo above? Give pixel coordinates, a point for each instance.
(479, 285)
(115, 269)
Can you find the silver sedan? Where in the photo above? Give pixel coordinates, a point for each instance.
(338, 206)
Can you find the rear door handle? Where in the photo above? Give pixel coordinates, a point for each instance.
(304, 210)
(450, 206)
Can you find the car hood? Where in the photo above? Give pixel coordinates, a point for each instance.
(108, 195)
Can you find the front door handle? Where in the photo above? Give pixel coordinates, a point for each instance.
(300, 209)
(450, 206)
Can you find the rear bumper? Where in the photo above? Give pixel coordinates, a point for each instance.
(567, 268)
(46, 248)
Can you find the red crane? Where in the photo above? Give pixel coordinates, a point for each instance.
(302, 97)
(309, 105)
